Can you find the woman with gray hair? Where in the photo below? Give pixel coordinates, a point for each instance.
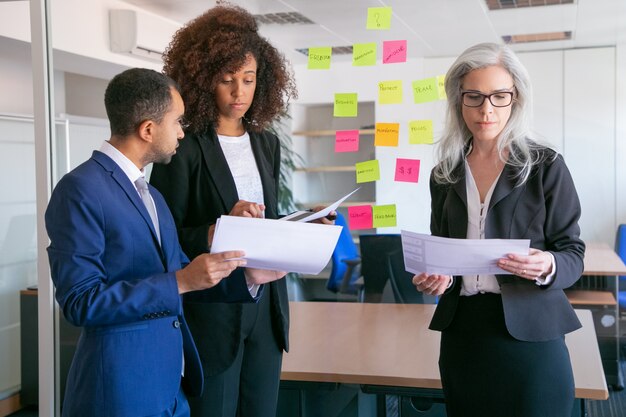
(502, 344)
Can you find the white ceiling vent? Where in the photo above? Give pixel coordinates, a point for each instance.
(140, 34)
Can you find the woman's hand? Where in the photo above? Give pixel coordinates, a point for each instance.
(432, 284)
(245, 208)
(324, 220)
(532, 266)
(262, 276)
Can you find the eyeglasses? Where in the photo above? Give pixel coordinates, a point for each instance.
(476, 99)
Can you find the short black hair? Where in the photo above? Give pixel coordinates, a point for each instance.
(137, 95)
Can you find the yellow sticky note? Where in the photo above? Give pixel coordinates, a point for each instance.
(367, 171)
(378, 18)
(384, 216)
(386, 134)
(346, 105)
(319, 58)
(364, 54)
(420, 132)
(425, 90)
(390, 92)
(441, 88)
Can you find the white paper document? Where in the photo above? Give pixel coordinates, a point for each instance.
(299, 247)
(447, 256)
(308, 216)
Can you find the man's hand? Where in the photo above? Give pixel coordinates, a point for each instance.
(207, 270)
(432, 284)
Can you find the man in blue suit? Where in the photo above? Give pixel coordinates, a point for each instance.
(116, 264)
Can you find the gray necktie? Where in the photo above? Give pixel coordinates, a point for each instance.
(144, 192)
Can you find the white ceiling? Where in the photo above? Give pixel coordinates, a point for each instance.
(431, 27)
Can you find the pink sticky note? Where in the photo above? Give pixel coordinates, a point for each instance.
(360, 217)
(394, 51)
(347, 141)
(407, 170)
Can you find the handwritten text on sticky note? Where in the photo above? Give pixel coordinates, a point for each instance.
(347, 141)
(360, 217)
(384, 216)
(367, 171)
(420, 132)
(364, 54)
(441, 86)
(390, 92)
(386, 134)
(346, 105)
(319, 58)
(425, 90)
(394, 51)
(407, 170)
(378, 18)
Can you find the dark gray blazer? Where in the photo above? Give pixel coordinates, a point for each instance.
(198, 188)
(545, 210)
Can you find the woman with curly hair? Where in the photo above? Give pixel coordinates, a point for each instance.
(234, 84)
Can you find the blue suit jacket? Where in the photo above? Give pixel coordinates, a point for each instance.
(113, 279)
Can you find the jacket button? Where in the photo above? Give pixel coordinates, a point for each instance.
(176, 324)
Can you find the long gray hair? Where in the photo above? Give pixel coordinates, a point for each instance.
(514, 138)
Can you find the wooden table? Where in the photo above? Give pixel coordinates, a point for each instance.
(391, 345)
(601, 260)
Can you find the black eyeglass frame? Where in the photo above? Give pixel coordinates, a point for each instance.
(488, 97)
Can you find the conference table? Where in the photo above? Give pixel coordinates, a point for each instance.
(600, 261)
(390, 346)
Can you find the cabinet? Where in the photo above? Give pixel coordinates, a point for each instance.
(323, 175)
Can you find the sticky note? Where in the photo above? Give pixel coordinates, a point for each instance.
(364, 54)
(319, 58)
(425, 90)
(441, 88)
(367, 171)
(347, 141)
(420, 132)
(394, 51)
(360, 217)
(378, 18)
(407, 170)
(386, 134)
(346, 105)
(390, 92)
(384, 216)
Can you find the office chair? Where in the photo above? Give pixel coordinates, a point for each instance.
(620, 249)
(374, 266)
(345, 262)
(404, 292)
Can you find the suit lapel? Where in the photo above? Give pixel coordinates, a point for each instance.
(122, 180)
(218, 169)
(265, 166)
(504, 186)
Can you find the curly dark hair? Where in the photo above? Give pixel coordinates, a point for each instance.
(215, 43)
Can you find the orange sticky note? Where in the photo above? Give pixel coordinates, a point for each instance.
(407, 170)
(360, 217)
(386, 134)
(347, 141)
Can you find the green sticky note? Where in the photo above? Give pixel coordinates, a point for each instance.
(420, 132)
(367, 171)
(384, 216)
(346, 105)
(425, 90)
(378, 18)
(319, 58)
(390, 92)
(364, 54)
(441, 87)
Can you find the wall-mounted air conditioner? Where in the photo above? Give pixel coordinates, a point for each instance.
(139, 33)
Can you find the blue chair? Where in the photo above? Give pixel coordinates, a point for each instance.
(620, 249)
(345, 262)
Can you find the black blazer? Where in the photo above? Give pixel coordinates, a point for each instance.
(545, 210)
(199, 187)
